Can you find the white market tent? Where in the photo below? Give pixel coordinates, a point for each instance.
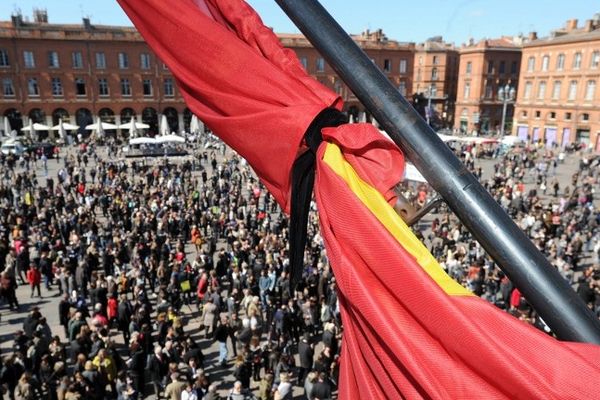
(170, 139)
(142, 140)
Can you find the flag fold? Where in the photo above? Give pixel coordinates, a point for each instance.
(410, 331)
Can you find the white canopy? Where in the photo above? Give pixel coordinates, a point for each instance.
(138, 125)
(412, 174)
(170, 138)
(67, 126)
(142, 140)
(7, 129)
(36, 127)
(511, 140)
(105, 125)
(164, 125)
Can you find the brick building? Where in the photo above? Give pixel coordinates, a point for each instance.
(558, 99)
(485, 67)
(436, 78)
(80, 72)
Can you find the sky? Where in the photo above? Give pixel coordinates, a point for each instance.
(416, 21)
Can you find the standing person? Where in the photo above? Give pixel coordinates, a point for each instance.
(35, 279)
(306, 354)
(64, 311)
(209, 317)
(124, 317)
(158, 368)
(221, 334)
(8, 285)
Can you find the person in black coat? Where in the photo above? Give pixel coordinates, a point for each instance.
(136, 366)
(64, 310)
(306, 354)
(321, 389)
(124, 317)
(158, 368)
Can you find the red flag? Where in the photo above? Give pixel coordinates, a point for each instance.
(410, 331)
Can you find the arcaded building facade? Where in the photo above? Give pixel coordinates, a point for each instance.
(81, 72)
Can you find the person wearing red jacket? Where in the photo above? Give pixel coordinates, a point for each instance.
(111, 309)
(34, 277)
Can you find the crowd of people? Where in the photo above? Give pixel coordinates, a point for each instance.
(156, 263)
(170, 277)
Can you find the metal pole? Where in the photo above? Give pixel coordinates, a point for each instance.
(505, 101)
(545, 289)
(428, 113)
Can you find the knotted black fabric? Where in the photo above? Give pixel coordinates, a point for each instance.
(303, 178)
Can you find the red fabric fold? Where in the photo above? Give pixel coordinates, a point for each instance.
(404, 337)
(237, 78)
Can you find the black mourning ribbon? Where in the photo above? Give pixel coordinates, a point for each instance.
(303, 178)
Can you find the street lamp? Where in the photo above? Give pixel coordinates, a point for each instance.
(506, 95)
(428, 111)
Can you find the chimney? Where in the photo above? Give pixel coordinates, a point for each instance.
(532, 36)
(40, 16)
(589, 25)
(17, 20)
(87, 25)
(571, 25)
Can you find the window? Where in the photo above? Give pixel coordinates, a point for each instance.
(502, 67)
(147, 86)
(489, 90)
(80, 87)
(577, 61)
(169, 88)
(467, 91)
(590, 90)
(556, 90)
(102, 87)
(403, 66)
(100, 61)
(7, 87)
(165, 67)
(33, 90)
(560, 62)
(418, 74)
(57, 89)
(490, 67)
(538, 114)
(435, 60)
(402, 88)
(585, 117)
(304, 62)
(145, 61)
(123, 61)
(469, 67)
(434, 74)
(593, 64)
(541, 90)
(568, 116)
(530, 64)
(524, 114)
(420, 60)
(527, 91)
(320, 64)
(387, 65)
(125, 87)
(53, 59)
(77, 59)
(432, 92)
(545, 62)
(29, 59)
(513, 67)
(572, 90)
(552, 115)
(4, 58)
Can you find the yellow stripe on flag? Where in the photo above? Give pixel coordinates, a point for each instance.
(375, 202)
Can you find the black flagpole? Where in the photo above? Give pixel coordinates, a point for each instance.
(541, 284)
